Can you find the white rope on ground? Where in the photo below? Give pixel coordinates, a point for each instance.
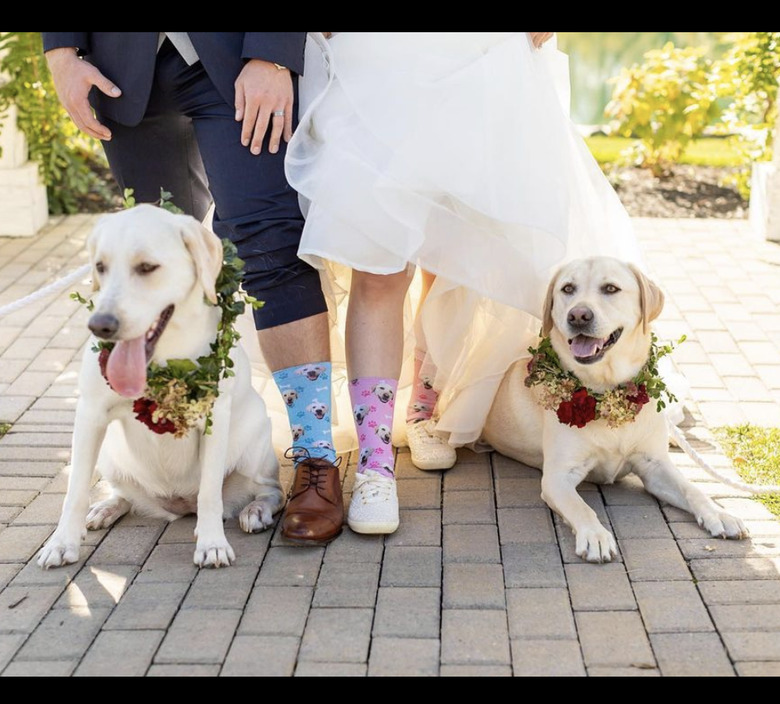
(53, 287)
(679, 438)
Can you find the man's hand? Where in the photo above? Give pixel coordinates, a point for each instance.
(539, 38)
(73, 79)
(264, 93)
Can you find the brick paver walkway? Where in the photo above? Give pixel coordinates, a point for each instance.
(480, 579)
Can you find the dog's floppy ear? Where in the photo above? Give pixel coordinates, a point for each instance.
(547, 320)
(205, 248)
(651, 297)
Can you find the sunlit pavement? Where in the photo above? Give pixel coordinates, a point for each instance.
(480, 579)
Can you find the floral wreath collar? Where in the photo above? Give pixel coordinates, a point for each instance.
(576, 405)
(181, 393)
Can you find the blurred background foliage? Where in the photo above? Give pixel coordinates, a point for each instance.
(651, 98)
(666, 91)
(596, 57)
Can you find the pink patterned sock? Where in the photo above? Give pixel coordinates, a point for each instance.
(373, 402)
(423, 398)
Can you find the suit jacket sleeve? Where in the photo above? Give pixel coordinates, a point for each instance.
(285, 48)
(56, 40)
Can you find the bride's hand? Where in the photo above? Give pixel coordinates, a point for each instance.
(539, 38)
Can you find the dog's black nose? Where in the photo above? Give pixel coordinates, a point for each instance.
(104, 325)
(580, 316)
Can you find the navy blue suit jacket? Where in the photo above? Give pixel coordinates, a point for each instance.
(127, 58)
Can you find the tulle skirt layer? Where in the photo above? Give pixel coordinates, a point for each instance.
(453, 152)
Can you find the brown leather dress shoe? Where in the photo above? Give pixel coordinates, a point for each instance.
(315, 506)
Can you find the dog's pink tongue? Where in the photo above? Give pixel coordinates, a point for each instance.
(126, 367)
(584, 346)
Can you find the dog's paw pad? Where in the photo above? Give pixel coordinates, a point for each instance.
(256, 517)
(57, 555)
(105, 513)
(596, 545)
(97, 520)
(214, 556)
(724, 525)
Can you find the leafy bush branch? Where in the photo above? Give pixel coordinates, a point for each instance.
(675, 95)
(750, 71)
(665, 103)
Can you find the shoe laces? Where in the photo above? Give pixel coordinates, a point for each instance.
(421, 433)
(313, 469)
(375, 488)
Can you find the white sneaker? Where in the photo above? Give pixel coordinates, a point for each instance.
(429, 451)
(374, 504)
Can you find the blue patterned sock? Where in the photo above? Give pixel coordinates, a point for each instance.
(306, 393)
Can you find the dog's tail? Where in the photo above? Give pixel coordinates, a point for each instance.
(679, 438)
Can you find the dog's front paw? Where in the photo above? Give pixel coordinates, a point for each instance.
(214, 554)
(256, 516)
(596, 544)
(105, 513)
(721, 524)
(58, 552)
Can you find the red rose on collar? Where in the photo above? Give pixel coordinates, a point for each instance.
(579, 411)
(640, 398)
(143, 409)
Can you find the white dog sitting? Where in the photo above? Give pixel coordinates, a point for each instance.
(157, 305)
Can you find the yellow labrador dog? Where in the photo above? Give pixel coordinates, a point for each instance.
(155, 273)
(596, 319)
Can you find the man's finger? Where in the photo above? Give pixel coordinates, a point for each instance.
(240, 103)
(278, 122)
(261, 127)
(249, 124)
(86, 121)
(110, 89)
(288, 129)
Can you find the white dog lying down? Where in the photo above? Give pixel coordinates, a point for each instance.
(596, 320)
(156, 273)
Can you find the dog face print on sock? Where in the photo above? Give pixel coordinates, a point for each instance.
(373, 404)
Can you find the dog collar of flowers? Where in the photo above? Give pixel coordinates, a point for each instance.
(576, 405)
(180, 394)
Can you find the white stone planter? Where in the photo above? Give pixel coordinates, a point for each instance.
(765, 194)
(24, 208)
(765, 200)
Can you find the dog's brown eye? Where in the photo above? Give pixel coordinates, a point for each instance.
(146, 268)
(610, 288)
(100, 267)
(568, 289)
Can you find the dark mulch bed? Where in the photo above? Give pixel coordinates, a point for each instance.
(689, 192)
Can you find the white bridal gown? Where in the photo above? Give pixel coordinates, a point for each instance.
(452, 151)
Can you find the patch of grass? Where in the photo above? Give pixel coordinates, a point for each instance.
(609, 150)
(708, 151)
(711, 151)
(4, 428)
(755, 454)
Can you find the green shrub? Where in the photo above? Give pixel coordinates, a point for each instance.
(68, 160)
(665, 103)
(748, 75)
